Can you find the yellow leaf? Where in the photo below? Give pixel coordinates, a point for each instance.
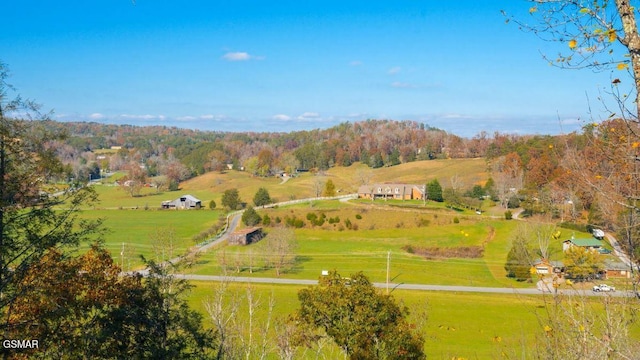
(533, 9)
(547, 328)
(622, 66)
(550, 146)
(635, 144)
(573, 43)
(584, 11)
(612, 35)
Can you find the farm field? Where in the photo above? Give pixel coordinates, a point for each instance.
(455, 325)
(139, 229)
(382, 230)
(360, 241)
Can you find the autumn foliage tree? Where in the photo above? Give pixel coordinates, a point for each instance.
(79, 307)
(364, 323)
(31, 219)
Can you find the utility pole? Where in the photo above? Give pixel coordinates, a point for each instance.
(122, 258)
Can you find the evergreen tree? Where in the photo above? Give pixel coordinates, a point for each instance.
(231, 199)
(250, 217)
(262, 197)
(377, 161)
(394, 157)
(434, 191)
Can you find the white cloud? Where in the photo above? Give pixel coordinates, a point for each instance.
(143, 117)
(186, 118)
(394, 70)
(96, 116)
(308, 115)
(240, 56)
(190, 118)
(453, 116)
(355, 63)
(281, 117)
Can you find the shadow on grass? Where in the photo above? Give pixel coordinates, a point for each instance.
(298, 266)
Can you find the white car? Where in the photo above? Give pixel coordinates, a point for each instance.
(603, 288)
(598, 234)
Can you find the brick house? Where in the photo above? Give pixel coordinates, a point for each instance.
(391, 191)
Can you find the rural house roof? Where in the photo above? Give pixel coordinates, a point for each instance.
(184, 201)
(554, 263)
(585, 242)
(190, 197)
(611, 264)
(247, 230)
(388, 188)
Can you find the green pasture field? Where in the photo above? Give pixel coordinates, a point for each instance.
(116, 197)
(383, 227)
(382, 231)
(138, 229)
(454, 324)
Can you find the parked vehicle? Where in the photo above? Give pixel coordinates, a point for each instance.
(598, 234)
(603, 288)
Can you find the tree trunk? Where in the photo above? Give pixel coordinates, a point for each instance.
(632, 41)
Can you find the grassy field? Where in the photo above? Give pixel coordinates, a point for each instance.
(139, 229)
(382, 230)
(455, 325)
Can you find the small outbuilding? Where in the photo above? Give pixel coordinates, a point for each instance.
(246, 236)
(183, 202)
(546, 267)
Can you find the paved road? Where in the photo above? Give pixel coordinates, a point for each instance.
(619, 252)
(423, 287)
(233, 223)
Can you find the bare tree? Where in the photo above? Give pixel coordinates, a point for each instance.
(135, 179)
(280, 246)
(508, 175)
(363, 176)
(242, 335)
(575, 327)
(318, 186)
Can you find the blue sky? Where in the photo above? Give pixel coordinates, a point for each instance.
(242, 65)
